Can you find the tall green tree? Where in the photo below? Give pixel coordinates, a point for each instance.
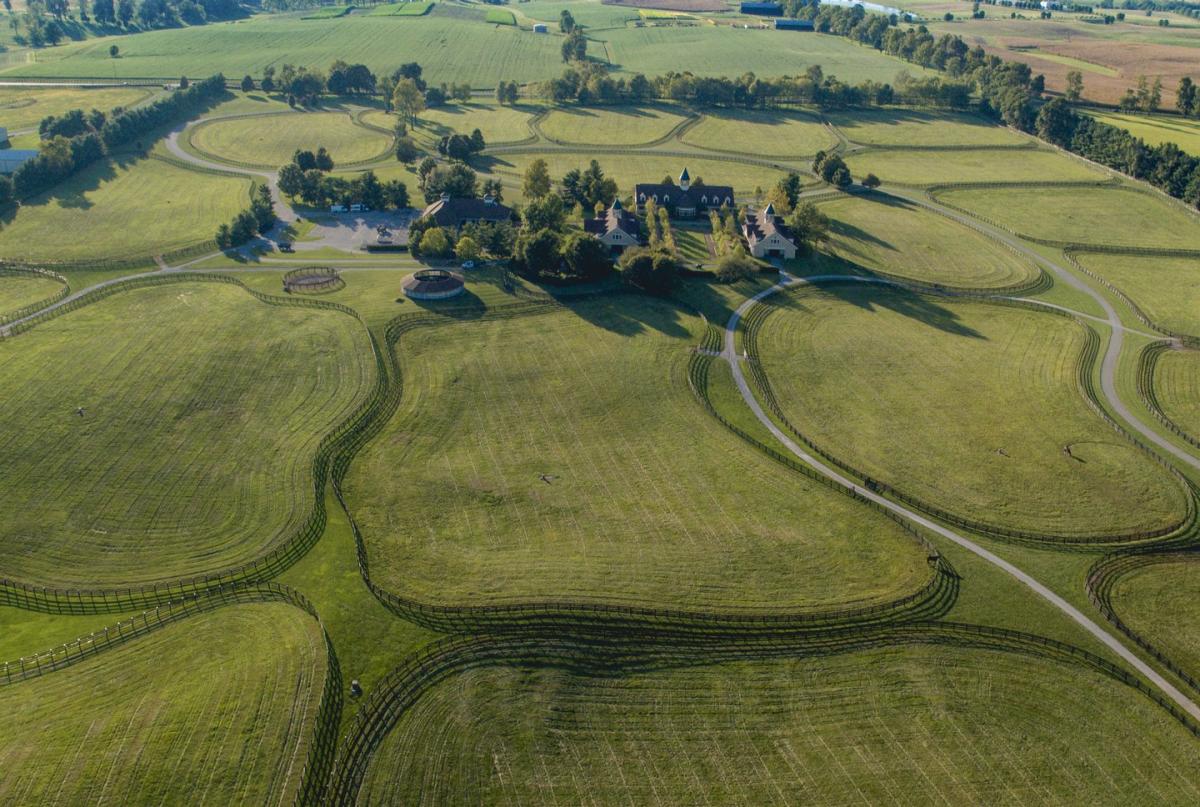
(1074, 85)
(1186, 100)
(408, 99)
(536, 183)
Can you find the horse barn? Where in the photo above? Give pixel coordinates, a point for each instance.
(788, 24)
(433, 284)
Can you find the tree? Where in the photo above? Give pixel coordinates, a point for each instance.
(651, 271)
(125, 12)
(6, 191)
(1074, 85)
(735, 266)
(1056, 123)
(268, 79)
(566, 23)
(545, 213)
(395, 193)
(585, 257)
(184, 83)
(103, 11)
(114, 51)
(435, 244)
(304, 160)
(412, 72)
(808, 224)
(435, 97)
(870, 181)
(493, 188)
(263, 209)
(574, 47)
(408, 100)
(466, 249)
(537, 253)
(456, 180)
(247, 84)
(1185, 97)
(224, 237)
(832, 168)
(478, 144)
(322, 160)
(406, 149)
(536, 183)
(291, 179)
(790, 186)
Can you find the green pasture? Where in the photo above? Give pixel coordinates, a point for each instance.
(760, 132)
(219, 708)
(971, 407)
(588, 13)
(1161, 601)
(499, 124)
(498, 16)
(24, 107)
(327, 12)
(409, 9)
(1166, 289)
(890, 236)
(271, 141)
(610, 126)
(911, 127)
(934, 167)
(1070, 61)
(1156, 129)
(203, 408)
(1177, 388)
(18, 290)
(904, 725)
(1111, 216)
(647, 499)
(122, 209)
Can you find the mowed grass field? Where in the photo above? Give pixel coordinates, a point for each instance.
(932, 167)
(1110, 216)
(971, 407)
(19, 289)
(1177, 388)
(760, 132)
(905, 725)
(910, 127)
(271, 141)
(1166, 289)
(1161, 601)
(203, 408)
(648, 500)
(890, 236)
(217, 709)
(610, 126)
(1156, 129)
(133, 208)
(25, 107)
(498, 124)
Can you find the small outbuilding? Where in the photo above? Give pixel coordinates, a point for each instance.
(540, 28)
(433, 284)
(788, 24)
(12, 159)
(763, 9)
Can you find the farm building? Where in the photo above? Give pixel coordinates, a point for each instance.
(452, 213)
(540, 28)
(616, 228)
(783, 24)
(3, 134)
(433, 284)
(12, 159)
(684, 200)
(767, 236)
(763, 9)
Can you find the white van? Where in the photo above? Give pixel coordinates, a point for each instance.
(337, 208)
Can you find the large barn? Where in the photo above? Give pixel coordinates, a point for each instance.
(684, 200)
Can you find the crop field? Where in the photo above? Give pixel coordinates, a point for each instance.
(124, 209)
(903, 387)
(1166, 289)
(218, 708)
(1177, 388)
(905, 127)
(645, 499)
(18, 290)
(203, 408)
(770, 132)
(910, 725)
(24, 107)
(607, 126)
(272, 141)
(889, 236)
(1111, 216)
(1156, 129)
(1161, 601)
(933, 167)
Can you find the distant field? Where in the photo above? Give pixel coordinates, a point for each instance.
(203, 408)
(498, 124)
(933, 167)
(903, 387)
(1166, 289)
(132, 209)
(327, 12)
(610, 125)
(272, 141)
(1156, 129)
(1022, 54)
(649, 501)
(412, 9)
(892, 237)
(24, 107)
(17, 290)
(217, 709)
(1177, 388)
(499, 16)
(905, 127)
(777, 133)
(1161, 601)
(1112, 216)
(907, 725)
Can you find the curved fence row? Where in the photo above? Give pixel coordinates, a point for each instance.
(17, 270)
(1147, 360)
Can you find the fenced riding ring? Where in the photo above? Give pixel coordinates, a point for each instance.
(313, 280)
(433, 284)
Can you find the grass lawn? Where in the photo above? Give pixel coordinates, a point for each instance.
(411, 9)
(499, 124)
(889, 236)
(272, 141)
(24, 107)
(18, 290)
(610, 125)
(499, 16)
(650, 501)
(1161, 601)
(219, 708)
(910, 127)
(908, 725)
(327, 13)
(132, 208)
(1113, 216)
(771, 132)
(1166, 289)
(691, 245)
(1156, 129)
(971, 407)
(933, 167)
(203, 410)
(1177, 388)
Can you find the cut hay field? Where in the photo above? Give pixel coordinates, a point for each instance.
(906, 725)
(1177, 388)
(1110, 216)
(203, 411)
(970, 407)
(905, 127)
(219, 708)
(19, 289)
(271, 141)
(1161, 601)
(650, 501)
(24, 107)
(610, 126)
(134, 208)
(890, 236)
(758, 132)
(1166, 289)
(1156, 129)
(932, 167)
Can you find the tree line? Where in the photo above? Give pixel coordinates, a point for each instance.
(48, 22)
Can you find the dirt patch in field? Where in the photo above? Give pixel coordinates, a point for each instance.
(671, 5)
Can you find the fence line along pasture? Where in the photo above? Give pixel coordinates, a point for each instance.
(19, 270)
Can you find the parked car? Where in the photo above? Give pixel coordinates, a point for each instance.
(468, 265)
(285, 246)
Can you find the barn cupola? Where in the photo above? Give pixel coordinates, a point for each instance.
(685, 180)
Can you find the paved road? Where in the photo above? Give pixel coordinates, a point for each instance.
(730, 354)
